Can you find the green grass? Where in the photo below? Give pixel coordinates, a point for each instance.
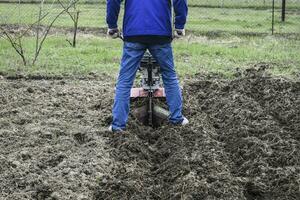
(97, 54)
(58, 57)
(200, 20)
(238, 21)
(225, 55)
(221, 54)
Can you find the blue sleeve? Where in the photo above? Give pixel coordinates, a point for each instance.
(181, 11)
(112, 12)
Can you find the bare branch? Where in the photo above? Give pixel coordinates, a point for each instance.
(64, 7)
(22, 54)
(17, 46)
(31, 26)
(16, 39)
(75, 29)
(46, 32)
(75, 17)
(38, 27)
(69, 42)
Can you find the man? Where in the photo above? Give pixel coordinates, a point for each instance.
(147, 24)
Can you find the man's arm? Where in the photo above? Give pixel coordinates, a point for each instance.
(112, 13)
(181, 11)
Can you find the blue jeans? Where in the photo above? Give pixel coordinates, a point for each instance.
(132, 55)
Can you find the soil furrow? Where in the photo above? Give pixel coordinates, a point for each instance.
(242, 141)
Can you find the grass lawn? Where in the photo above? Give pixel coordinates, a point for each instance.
(201, 20)
(99, 54)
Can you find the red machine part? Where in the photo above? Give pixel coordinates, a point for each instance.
(140, 92)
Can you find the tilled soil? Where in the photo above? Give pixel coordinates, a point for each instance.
(242, 142)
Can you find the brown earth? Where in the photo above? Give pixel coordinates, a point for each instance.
(27, 30)
(242, 143)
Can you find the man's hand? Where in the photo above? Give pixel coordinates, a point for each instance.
(179, 33)
(113, 33)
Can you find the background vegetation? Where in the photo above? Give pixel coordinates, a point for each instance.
(222, 37)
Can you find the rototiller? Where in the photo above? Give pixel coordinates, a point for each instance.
(151, 93)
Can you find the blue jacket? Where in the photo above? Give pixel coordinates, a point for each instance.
(147, 17)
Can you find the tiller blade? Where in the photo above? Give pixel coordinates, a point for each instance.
(150, 114)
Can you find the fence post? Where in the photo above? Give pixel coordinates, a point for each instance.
(273, 10)
(283, 11)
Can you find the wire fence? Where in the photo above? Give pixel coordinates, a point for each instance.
(246, 17)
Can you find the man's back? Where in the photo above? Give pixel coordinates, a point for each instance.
(147, 17)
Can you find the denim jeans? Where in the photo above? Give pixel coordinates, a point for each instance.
(132, 55)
